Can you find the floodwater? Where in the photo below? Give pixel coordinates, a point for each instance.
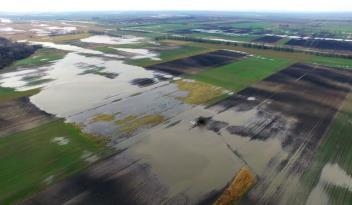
(77, 49)
(79, 87)
(196, 160)
(332, 175)
(5, 20)
(104, 39)
(140, 53)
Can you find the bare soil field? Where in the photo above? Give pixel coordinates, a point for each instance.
(268, 39)
(322, 44)
(197, 63)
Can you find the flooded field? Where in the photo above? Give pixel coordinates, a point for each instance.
(166, 153)
(190, 109)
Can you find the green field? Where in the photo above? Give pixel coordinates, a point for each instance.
(239, 75)
(41, 57)
(335, 148)
(31, 160)
(334, 62)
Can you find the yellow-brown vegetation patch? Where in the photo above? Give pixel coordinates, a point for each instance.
(102, 117)
(198, 92)
(242, 183)
(132, 123)
(64, 38)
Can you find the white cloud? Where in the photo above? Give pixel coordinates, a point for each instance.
(242, 5)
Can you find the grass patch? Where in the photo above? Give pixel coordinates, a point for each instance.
(107, 49)
(41, 57)
(131, 124)
(242, 183)
(38, 82)
(332, 61)
(98, 70)
(32, 159)
(198, 92)
(238, 75)
(10, 93)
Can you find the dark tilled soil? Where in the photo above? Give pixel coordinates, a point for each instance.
(322, 44)
(268, 39)
(197, 63)
(19, 114)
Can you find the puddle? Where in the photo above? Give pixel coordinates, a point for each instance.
(89, 157)
(104, 39)
(61, 140)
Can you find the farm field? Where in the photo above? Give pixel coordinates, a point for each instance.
(238, 75)
(183, 108)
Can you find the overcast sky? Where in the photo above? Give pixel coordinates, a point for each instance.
(234, 5)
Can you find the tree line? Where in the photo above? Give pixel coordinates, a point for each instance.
(254, 45)
(13, 51)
